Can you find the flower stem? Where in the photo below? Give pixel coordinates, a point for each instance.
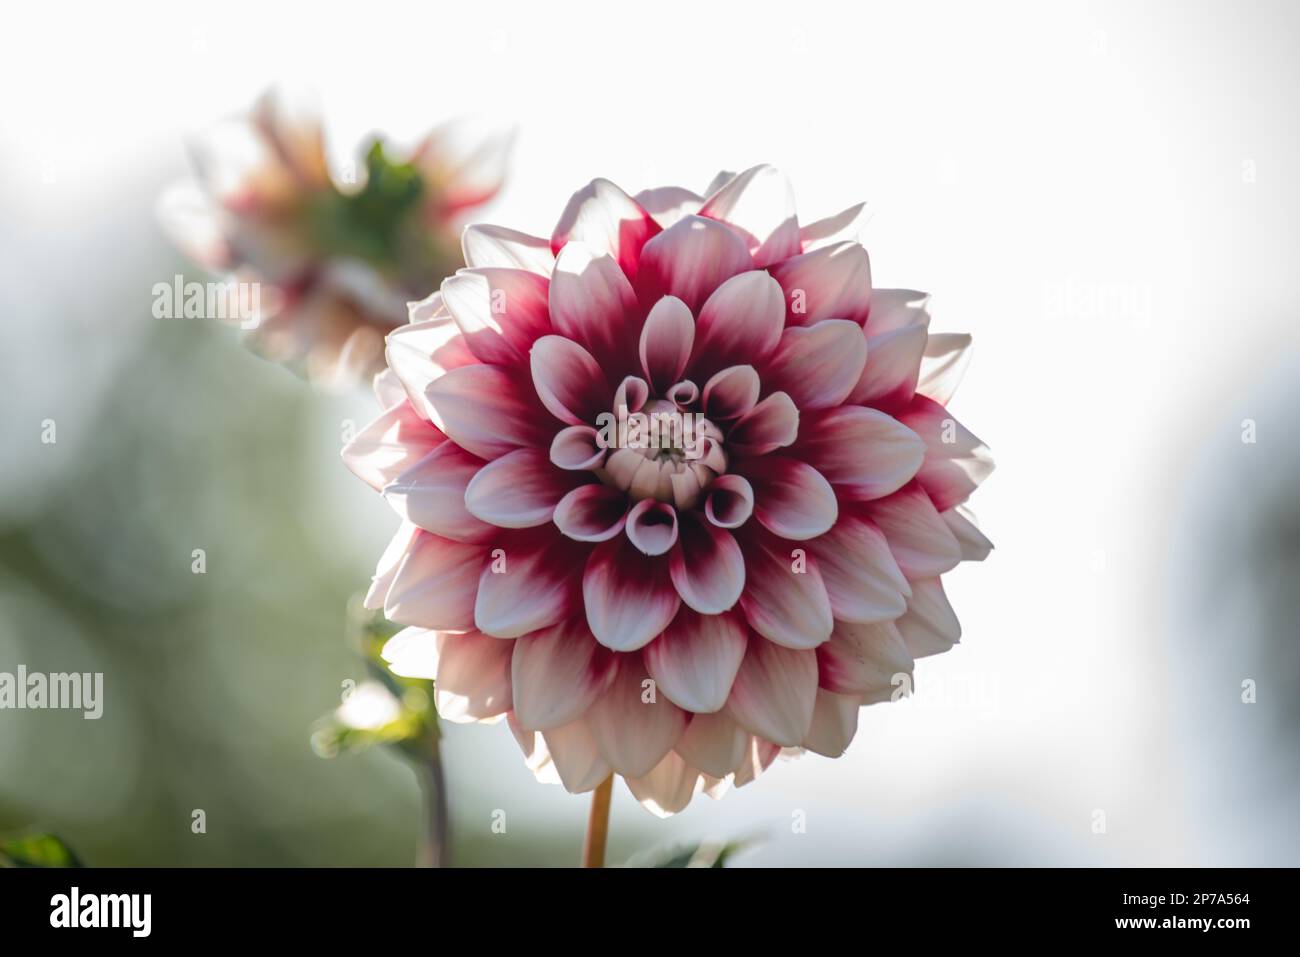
(432, 851)
(593, 848)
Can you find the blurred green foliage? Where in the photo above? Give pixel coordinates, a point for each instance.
(212, 682)
(36, 850)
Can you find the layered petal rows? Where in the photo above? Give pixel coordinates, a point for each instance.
(678, 486)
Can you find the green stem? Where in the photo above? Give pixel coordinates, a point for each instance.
(433, 849)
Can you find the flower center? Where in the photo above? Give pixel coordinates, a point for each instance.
(662, 452)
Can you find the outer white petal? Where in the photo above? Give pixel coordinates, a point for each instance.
(668, 788)
(390, 445)
(485, 245)
(943, 364)
(774, 692)
(714, 743)
(863, 660)
(696, 658)
(844, 226)
(558, 673)
(668, 204)
(760, 204)
(576, 757)
(435, 584)
(930, 626)
(975, 546)
(412, 653)
(634, 725)
(473, 680)
(835, 721)
(919, 539)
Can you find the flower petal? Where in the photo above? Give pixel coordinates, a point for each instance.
(834, 723)
(527, 583)
(576, 757)
(695, 660)
(497, 246)
(759, 755)
(863, 659)
(568, 380)
(714, 743)
(770, 425)
(591, 513)
(468, 158)
(629, 597)
(388, 389)
(484, 410)
(577, 448)
(930, 625)
(731, 393)
(946, 357)
(500, 312)
(956, 461)
(435, 584)
(919, 539)
(785, 598)
(394, 554)
(423, 351)
(412, 653)
(668, 788)
(432, 310)
(833, 282)
(558, 673)
(652, 526)
(759, 203)
(706, 567)
(740, 322)
(518, 490)
(668, 204)
(975, 546)
(390, 445)
(608, 221)
(791, 499)
(689, 260)
(634, 726)
(473, 679)
(431, 493)
(537, 757)
(775, 692)
(897, 309)
(844, 226)
(818, 365)
(862, 577)
(864, 453)
(593, 304)
(730, 501)
(888, 380)
(666, 340)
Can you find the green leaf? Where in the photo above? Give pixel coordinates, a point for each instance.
(402, 714)
(699, 854)
(36, 850)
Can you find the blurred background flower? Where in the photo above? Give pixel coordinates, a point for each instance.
(338, 248)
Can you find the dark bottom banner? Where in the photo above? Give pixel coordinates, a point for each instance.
(910, 905)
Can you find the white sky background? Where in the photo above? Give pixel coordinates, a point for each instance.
(1103, 194)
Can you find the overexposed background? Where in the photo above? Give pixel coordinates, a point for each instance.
(1104, 194)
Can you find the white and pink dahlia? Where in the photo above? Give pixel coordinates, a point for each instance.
(337, 253)
(678, 486)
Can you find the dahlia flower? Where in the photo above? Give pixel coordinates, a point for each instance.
(677, 608)
(337, 258)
